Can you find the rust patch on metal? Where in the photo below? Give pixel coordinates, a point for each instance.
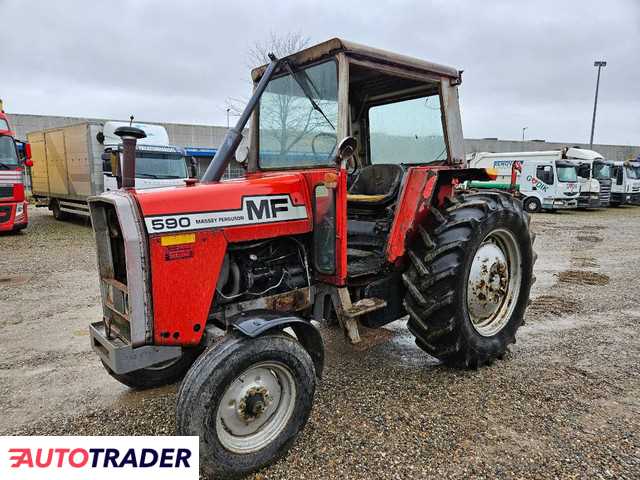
(289, 301)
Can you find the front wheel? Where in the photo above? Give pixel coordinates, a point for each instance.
(247, 400)
(469, 279)
(532, 205)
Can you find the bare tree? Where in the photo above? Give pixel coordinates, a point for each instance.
(280, 45)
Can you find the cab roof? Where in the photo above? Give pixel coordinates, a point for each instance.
(336, 45)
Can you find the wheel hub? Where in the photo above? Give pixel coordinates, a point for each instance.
(255, 407)
(254, 404)
(488, 287)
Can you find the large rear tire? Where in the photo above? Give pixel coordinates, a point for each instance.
(469, 279)
(247, 400)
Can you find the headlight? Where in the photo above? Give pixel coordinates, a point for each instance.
(19, 209)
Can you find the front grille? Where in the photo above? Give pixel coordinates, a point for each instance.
(6, 191)
(5, 213)
(605, 191)
(122, 263)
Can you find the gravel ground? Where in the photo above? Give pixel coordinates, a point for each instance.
(565, 402)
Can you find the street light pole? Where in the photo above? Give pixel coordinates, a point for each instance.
(599, 64)
(523, 129)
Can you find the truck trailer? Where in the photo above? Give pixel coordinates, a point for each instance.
(545, 180)
(74, 162)
(13, 202)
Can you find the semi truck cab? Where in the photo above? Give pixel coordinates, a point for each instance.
(625, 188)
(13, 202)
(594, 174)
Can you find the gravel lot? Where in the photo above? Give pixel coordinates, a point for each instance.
(565, 402)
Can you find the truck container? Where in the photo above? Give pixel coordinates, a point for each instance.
(13, 202)
(75, 162)
(545, 180)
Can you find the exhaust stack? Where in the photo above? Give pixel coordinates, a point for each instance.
(129, 136)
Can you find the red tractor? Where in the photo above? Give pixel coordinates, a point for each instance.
(350, 212)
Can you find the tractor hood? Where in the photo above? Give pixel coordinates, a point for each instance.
(256, 201)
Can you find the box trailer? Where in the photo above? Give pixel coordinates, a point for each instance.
(545, 180)
(74, 162)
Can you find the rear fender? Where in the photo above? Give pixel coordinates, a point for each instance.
(255, 323)
(422, 188)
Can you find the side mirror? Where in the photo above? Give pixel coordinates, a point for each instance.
(347, 148)
(28, 162)
(242, 156)
(27, 152)
(193, 167)
(619, 176)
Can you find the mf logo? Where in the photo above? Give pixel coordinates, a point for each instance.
(266, 208)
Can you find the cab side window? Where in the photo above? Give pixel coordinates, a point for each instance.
(545, 173)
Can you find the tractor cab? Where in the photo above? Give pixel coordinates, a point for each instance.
(404, 116)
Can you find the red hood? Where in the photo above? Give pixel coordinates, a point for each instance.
(225, 195)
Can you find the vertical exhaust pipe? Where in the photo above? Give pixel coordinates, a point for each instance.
(129, 136)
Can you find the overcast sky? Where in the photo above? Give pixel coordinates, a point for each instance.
(526, 64)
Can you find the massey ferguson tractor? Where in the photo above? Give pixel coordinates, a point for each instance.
(351, 212)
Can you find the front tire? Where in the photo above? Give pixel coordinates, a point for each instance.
(247, 400)
(469, 279)
(532, 205)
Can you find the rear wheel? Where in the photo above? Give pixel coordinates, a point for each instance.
(58, 214)
(469, 279)
(247, 400)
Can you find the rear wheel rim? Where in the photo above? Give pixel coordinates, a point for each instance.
(494, 282)
(256, 407)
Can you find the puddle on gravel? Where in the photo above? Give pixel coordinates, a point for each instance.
(584, 262)
(589, 238)
(14, 281)
(583, 277)
(553, 305)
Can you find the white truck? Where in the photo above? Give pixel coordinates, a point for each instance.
(74, 162)
(625, 188)
(546, 181)
(594, 174)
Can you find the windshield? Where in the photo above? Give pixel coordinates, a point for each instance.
(292, 132)
(160, 165)
(632, 172)
(8, 153)
(601, 171)
(567, 173)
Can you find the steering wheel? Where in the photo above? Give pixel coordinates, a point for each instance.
(324, 134)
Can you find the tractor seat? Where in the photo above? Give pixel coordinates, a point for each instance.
(375, 185)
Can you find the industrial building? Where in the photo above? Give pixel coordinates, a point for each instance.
(211, 136)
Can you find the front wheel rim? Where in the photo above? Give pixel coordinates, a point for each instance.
(256, 407)
(494, 282)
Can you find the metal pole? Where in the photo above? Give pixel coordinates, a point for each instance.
(598, 64)
(523, 129)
